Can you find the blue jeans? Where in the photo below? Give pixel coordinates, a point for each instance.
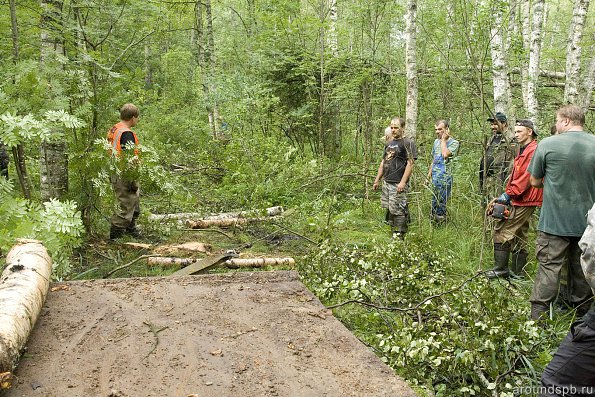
(441, 193)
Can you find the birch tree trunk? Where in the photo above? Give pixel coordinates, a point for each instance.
(534, 55)
(573, 50)
(499, 64)
(23, 287)
(411, 69)
(53, 161)
(526, 21)
(212, 107)
(333, 41)
(589, 82)
(18, 152)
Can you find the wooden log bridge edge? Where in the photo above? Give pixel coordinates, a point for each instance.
(24, 285)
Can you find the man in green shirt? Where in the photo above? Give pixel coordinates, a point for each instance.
(564, 166)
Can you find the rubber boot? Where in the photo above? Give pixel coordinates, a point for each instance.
(399, 226)
(132, 229)
(501, 255)
(518, 261)
(539, 312)
(116, 232)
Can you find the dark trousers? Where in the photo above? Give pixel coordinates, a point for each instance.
(572, 369)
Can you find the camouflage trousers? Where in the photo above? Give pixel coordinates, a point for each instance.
(396, 204)
(128, 197)
(552, 251)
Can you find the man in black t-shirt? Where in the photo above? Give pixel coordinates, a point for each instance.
(395, 169)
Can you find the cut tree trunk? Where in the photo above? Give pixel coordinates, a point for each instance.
(271, 211)
(258, 262)
(233, 263)
(23, 287)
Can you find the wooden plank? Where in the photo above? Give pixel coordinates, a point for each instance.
(203, 264)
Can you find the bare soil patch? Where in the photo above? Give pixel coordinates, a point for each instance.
(236, 334)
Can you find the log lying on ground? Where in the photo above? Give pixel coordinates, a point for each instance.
(258, 262)
(190, 246)
(271, 211)
(24, 285)
(233, 263)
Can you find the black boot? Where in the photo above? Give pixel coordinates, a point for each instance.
(133, 230)
(518, 261)
(539, 312)
(501, 254)
(116, 232)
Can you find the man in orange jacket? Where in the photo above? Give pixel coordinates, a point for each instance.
(510, 233)
(121, 137)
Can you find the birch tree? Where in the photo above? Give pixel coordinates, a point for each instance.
(573, 50)
(589, 82)
(206, 57)
(333, 42)
(525, 22)
(534, 55)
(411, 69)
(18, 152)
(53, 160)
(499, 64)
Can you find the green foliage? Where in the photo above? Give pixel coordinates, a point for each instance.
(438, 330)
(58, 225)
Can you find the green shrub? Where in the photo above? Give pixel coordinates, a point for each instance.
(453, 335)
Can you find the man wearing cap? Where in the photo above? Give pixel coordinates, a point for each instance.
(444, 150)
(495, 164)
(564, 165)
(510, 235)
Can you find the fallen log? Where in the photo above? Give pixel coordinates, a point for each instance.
(191, 246)
(258, 262)
(226, 222)
(24, 286)
(271, 211)
(233, 263)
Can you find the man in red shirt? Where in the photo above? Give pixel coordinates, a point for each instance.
(510, 234)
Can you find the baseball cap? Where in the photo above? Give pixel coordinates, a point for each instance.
(528, 124)
(501, 117)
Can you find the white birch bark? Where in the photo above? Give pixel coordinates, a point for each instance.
(53, 159)
(573, 50)
(411, 69)
(332, 40)
(24, 285)
(534, 55)
(499, 64)
(526, 21)
(513, 31)
(589, 82)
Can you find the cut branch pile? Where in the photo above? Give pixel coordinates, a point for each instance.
(24, 286)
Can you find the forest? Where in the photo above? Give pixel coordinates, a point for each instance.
(249, 104)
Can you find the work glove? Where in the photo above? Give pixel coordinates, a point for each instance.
(503, 199)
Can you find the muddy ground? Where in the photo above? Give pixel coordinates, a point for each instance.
(236, 334)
